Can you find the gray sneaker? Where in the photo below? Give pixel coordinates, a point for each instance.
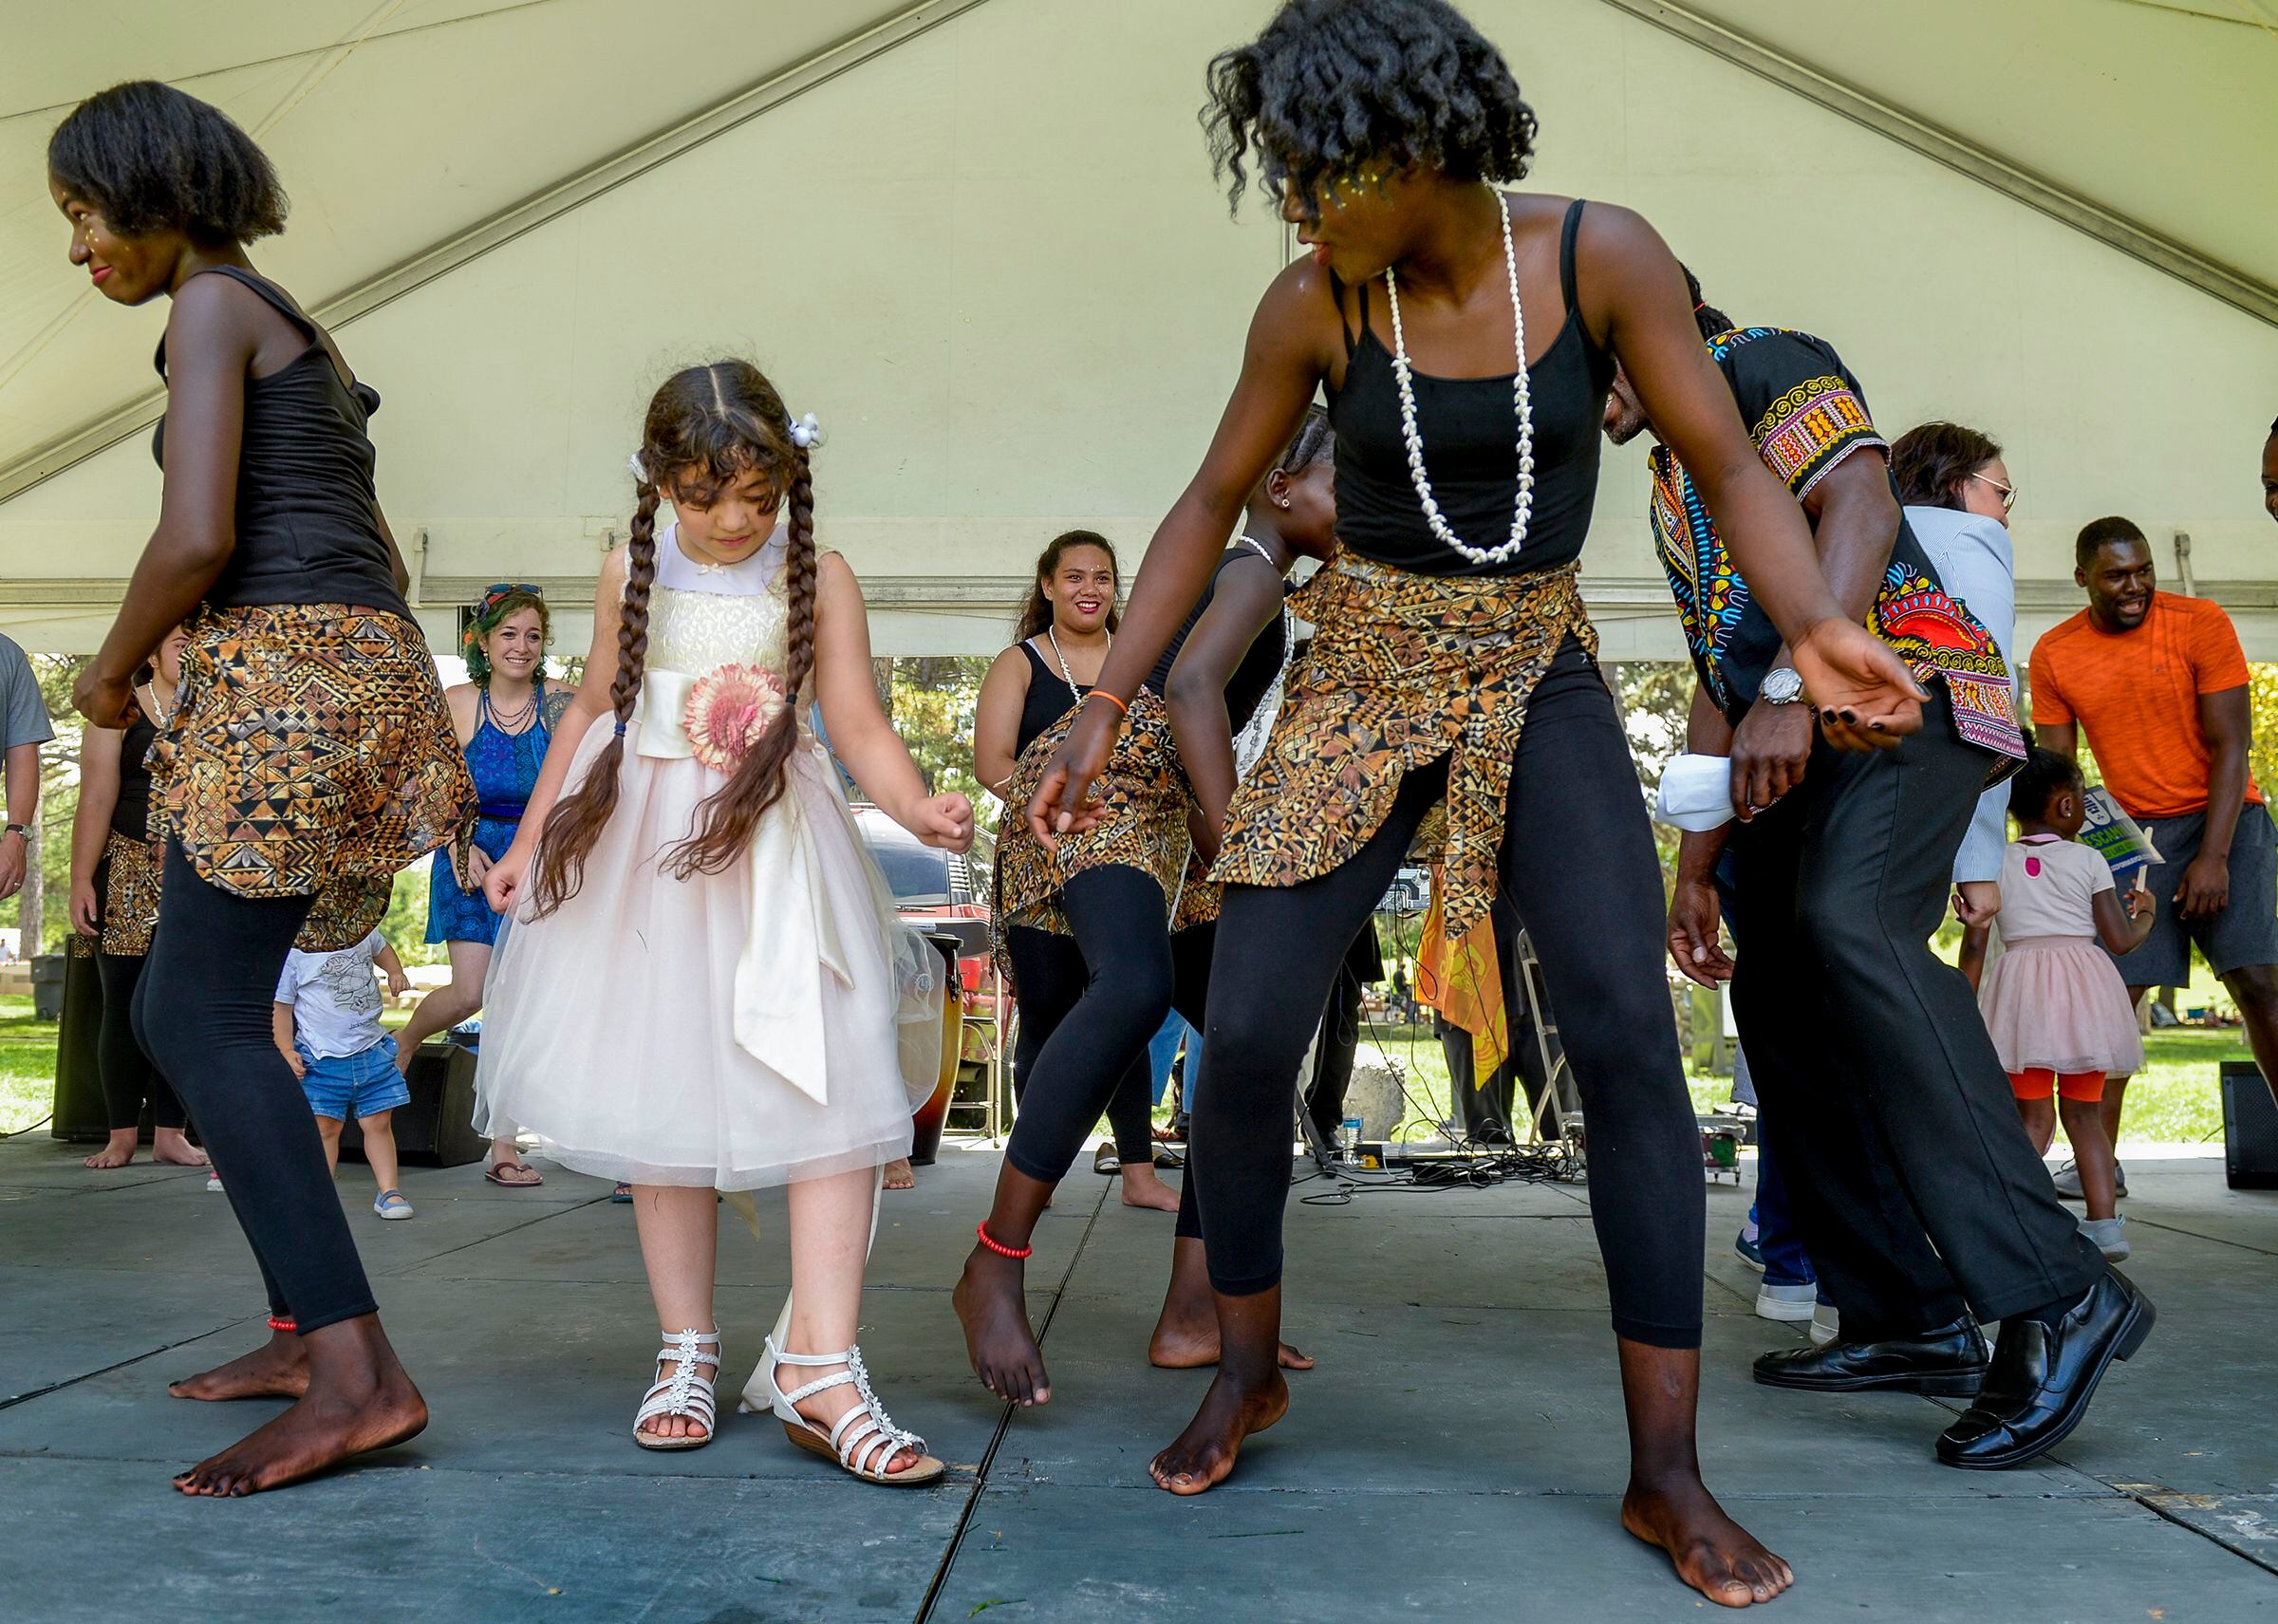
(1826, 1324)
(1791, 1303)
(2107, 1234)
(2069, 1180)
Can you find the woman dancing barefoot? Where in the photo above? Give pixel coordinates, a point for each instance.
(309, 757)
(1106, 932)
(1466, 339)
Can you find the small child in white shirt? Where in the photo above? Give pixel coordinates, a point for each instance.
(328, 1028)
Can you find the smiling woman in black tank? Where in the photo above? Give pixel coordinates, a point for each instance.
(309, 755)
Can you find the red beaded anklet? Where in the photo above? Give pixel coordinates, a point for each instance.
(1016, 1254)
(278, 1323)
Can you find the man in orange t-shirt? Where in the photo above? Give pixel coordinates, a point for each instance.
(2159, 683)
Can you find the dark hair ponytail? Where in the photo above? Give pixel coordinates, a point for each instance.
(707, 427)
(1706, 316)
(2038, 782)
(1035, 614)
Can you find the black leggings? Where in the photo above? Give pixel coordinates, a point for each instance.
(128, 1078)
(1089, 1006)
(205, 1017)
(1577, 865)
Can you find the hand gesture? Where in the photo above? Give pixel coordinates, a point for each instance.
(102, 701)
(1063, 802)
(1693, 918)
(944, 820)
(1866, 696)
(502, 881)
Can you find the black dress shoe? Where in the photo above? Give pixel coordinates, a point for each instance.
(2042, 1380)
(1949, 1362)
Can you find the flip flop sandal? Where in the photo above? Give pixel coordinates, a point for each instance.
(531, 1183)
(1106, 1160)
(1169, 1159)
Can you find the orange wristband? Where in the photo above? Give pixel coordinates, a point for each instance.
(1103, 694)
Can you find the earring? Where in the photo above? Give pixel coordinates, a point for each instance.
(1285, 504)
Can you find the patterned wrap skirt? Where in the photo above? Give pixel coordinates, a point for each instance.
(129, 888)
(310, 754)
(1143, 795)
(1404, 669)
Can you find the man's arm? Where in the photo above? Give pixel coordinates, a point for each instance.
(2227, 720)
(1855, 526)
(1695, 942)
(23, 771)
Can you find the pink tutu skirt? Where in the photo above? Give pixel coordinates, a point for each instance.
(610, 1024)
(2058, 1001)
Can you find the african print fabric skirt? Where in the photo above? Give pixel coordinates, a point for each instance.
(1404, 669)
(1142, 797)
(310, 754)
(129, 890)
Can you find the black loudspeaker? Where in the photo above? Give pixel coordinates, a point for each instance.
(80, 1115)
(436, 1129)
(2250, 1129)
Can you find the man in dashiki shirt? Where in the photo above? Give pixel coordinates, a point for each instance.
(1883, 1096)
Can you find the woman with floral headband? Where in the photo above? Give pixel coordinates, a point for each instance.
(504, 715)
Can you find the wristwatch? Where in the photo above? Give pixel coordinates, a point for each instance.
(22, 828)
(1783, 686)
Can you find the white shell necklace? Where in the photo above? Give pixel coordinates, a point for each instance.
(1521, 402)
(1067, 676)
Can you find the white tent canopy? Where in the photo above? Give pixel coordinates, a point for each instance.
(979, 239)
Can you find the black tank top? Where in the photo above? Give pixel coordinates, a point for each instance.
(307, 524)
(131, 815)
(1471, 449)
(1048, 699)
(1260, 665)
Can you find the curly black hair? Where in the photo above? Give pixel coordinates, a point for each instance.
(1334, 84)
(2044, 776)
(150, 157)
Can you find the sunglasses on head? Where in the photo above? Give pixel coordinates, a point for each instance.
(500, 588)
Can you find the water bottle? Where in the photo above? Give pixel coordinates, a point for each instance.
(1349, 1139)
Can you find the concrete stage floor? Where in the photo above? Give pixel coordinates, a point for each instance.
(1458, 1454)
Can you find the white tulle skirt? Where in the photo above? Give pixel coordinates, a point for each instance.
(609, 1026)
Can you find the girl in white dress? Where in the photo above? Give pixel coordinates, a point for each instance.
(706, 987)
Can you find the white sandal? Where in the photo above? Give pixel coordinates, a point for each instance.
(687, 1391)
(865, 1438)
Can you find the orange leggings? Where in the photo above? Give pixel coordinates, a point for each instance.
(2039, 1082)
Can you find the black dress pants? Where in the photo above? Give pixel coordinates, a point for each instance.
(1915, 1187)
(128, 1078)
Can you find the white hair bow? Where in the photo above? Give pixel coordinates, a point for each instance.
(806, 432)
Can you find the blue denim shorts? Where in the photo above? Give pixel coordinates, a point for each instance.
(362, 1084)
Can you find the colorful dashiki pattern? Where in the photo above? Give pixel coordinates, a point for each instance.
(1808, 415)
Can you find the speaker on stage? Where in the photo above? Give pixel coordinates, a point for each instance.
(80, 1114)
(437, 1128)
(2250, 1129)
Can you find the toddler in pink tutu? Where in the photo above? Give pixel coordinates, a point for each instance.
(2054, 1001)
(706, 987)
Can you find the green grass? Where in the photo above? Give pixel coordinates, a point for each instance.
(2174, 1100)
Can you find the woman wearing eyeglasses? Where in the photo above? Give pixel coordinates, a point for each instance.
(1957, 494)
(504, 715)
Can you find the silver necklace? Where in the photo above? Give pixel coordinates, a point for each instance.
(1522, 406)
(1067, 676)
(514, 722)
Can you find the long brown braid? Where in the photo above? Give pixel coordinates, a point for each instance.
(706, 427)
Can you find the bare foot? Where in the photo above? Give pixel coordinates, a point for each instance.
(900, 1175)
(118, 1150)
(366, 1402)
(995, 1314)
(277, 1369)
(1181, 1347)
(1144, 1187)
(172, 1147)
(1201, 1456)
(1712, 1552)
(1185, 1334)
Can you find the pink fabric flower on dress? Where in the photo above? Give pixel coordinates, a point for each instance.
(729, 710)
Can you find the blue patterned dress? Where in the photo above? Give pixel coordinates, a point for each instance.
(505, 767)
